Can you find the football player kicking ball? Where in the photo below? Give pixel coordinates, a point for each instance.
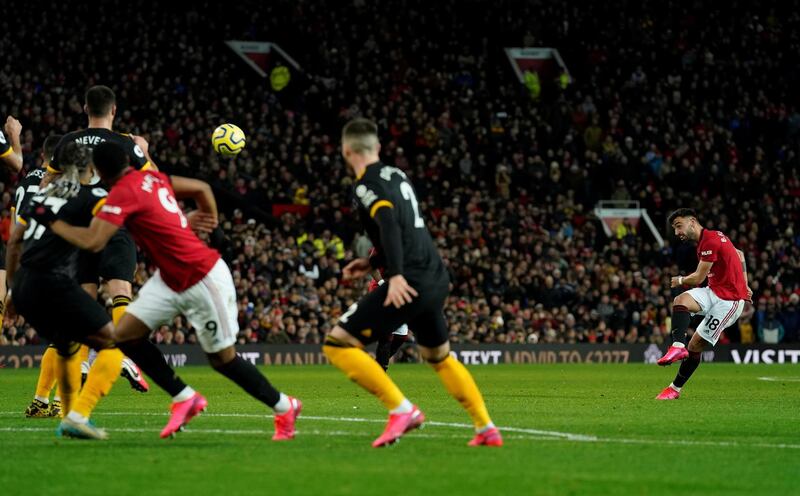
(416, 287)
(721, 302)
(191, 280)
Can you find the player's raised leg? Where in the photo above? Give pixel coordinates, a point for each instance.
(682, 308)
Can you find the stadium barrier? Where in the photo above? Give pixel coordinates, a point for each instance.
(182, 355)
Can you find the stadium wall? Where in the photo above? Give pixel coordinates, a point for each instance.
(182, 355)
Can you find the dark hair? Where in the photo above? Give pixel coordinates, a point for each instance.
(681, 212)
(99, 100)
(49, 146)
(109, 159)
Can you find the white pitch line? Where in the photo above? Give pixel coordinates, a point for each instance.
(458, 425)
(316, 432)
(522, 433)
(779, 379)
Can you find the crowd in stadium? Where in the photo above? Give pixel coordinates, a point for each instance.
(680, 113)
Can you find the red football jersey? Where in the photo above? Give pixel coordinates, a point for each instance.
(144, 202)
(726, 278)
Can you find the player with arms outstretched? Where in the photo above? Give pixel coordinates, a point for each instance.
(721, 302)
(417, 284)
(191, 279)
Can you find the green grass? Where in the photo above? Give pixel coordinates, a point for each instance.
(730, 433)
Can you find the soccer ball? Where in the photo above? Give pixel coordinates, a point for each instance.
(228, 140)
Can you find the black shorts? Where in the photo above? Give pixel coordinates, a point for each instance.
(116, 261)
(57, 307)
(368, 320)
(2, 256)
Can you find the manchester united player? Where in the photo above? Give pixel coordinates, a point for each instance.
(721, 302)
(191, 279)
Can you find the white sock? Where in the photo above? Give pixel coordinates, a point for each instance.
(283, 405)
(183, 395)
(43, 399)
(77, 417)
(676, 388)
(405, 407)
(485, 428)
(677, 344)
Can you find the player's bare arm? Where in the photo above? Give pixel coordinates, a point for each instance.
(93, 238)
(744, 271)
(693, 279)
(13, 129)
(205, 218)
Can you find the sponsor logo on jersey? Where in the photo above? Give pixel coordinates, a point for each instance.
(705, 253)
(366, 195)
(110, 209)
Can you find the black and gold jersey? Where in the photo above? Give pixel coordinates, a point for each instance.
(44, 250)
(5, 145)
(384, 186)
(28, 186)
(92, 137)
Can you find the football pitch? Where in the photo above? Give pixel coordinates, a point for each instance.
(568, 429)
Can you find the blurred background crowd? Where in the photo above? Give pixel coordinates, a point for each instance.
(674, 104)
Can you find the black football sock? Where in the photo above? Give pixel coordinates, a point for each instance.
(687, 369)
(680, 322)
(151, 362)
(397, 343)
(384, 352)
(247, 376)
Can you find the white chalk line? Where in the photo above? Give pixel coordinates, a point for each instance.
(779, 379)
(520, 433)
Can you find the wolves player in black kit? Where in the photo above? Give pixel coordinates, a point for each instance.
(116, 264)
(42, 267)
(417, 285)
(40, 406)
